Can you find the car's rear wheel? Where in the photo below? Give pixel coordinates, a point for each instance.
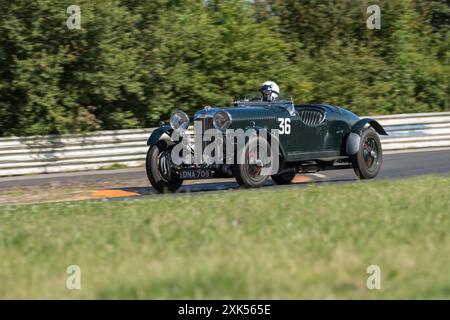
(284, 178)
(158, 169)
(249, 174)
(367, 161)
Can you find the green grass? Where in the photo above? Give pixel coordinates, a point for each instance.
(306, 242)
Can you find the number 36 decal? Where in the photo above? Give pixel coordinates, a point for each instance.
(285, 125)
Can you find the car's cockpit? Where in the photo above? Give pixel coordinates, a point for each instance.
(254, 100)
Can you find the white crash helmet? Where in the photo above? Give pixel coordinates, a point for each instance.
(270, 91)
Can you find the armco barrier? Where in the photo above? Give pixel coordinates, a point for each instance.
(416, 131)
(103, 149)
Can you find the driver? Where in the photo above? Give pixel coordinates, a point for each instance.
(270, 91)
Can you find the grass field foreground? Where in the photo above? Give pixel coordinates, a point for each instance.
(301, 242)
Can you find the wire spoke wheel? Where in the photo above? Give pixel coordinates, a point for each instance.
(367, 161)
(253, 167)
(249, 173)
(370, 154)
(164, 165)
(158, 167)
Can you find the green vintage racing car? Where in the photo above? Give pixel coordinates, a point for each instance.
(309, 138)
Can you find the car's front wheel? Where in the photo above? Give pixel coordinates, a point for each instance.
(158, 169)
(367, 161)
(249, 173)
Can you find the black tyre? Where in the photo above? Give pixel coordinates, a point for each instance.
(249, 175)
(284, 178)
(158, 169)
(367, 161)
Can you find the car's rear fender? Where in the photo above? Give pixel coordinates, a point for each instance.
(354, 138)
(161, 133)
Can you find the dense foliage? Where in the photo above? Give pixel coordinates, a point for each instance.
(133, 62)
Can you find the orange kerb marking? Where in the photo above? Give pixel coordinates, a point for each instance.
(112, 194)
(301, 179)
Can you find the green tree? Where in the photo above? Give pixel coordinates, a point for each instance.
(56, 80)
(133, 62)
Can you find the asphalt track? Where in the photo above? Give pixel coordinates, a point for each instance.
(395, 166)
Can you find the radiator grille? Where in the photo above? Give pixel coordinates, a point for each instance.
(207, 123)
(312, 117)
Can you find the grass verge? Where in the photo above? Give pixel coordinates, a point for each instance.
(306, 242)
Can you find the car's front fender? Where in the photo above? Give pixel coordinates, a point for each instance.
(161, 133)
(359, 126)
(354, 138)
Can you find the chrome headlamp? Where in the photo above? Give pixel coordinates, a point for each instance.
(179, 120)
(222, 120)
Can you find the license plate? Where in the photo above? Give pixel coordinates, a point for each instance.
(195, 174)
